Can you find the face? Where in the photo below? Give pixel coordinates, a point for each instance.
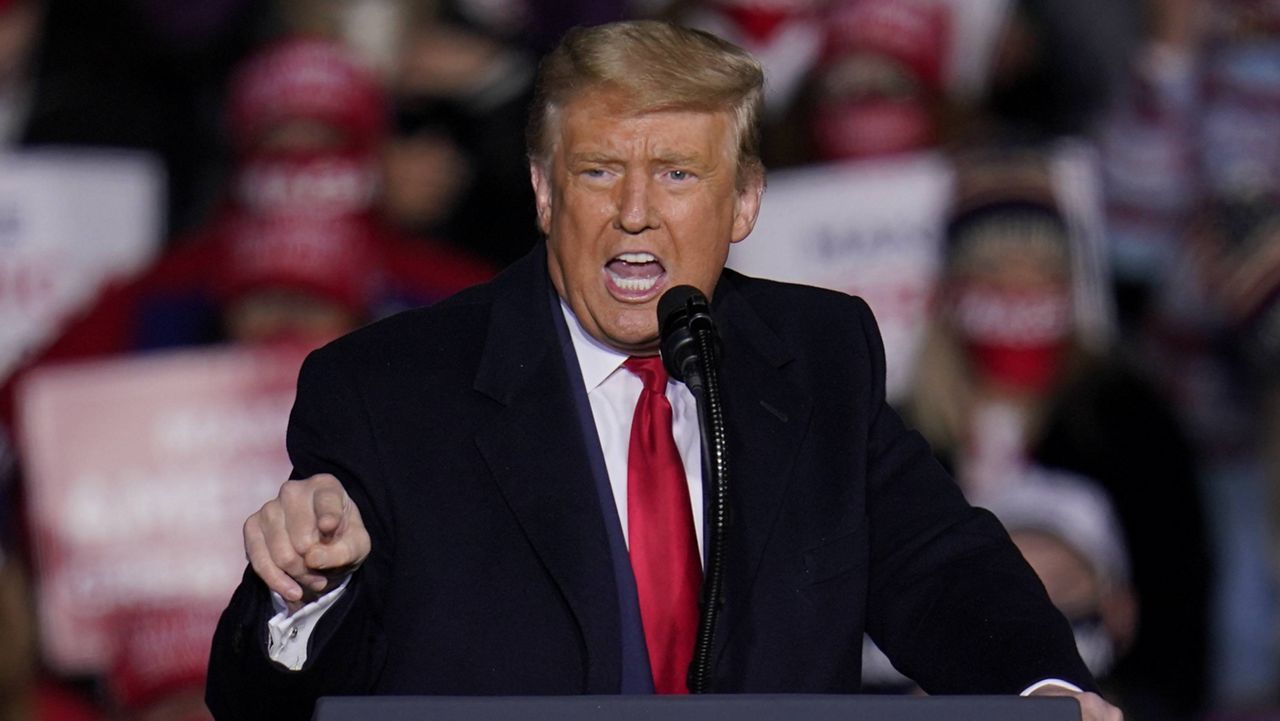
(1009, 301)
(267, 315)
(19, 30)
(424, 178)
(634, 204)
(868, 105)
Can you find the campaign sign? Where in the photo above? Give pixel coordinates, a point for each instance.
(69, 221)
(869, 228)
(877, 229)
(140, 473)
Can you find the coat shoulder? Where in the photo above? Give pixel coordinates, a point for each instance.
(801, 311)
(426, 339)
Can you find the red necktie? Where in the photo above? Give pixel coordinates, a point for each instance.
(664, 549)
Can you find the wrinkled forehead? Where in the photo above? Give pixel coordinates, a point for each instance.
(601, 117)
(618, 102)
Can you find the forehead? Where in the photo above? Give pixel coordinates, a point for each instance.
(610, 122)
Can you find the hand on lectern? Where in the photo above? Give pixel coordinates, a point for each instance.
(306, 540)
(1092, 706)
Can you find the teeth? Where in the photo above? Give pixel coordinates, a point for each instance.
(634, 284)
(637, 257)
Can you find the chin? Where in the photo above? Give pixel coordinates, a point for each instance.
(635, 340)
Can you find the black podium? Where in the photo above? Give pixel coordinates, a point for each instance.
(696, 708)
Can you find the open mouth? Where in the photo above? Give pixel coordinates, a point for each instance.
(634, 276)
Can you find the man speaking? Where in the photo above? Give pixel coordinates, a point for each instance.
(503, 492)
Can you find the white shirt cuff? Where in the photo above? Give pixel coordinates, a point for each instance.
(1051, 682)
(287, 635)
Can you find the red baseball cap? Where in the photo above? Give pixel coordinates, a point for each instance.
(306, 78)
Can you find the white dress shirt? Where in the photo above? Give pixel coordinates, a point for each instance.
(613, 392)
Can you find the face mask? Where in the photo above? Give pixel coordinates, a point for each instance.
(848, 129)
(326, 183)
(1016, 338)
(1094, 644)
(759, 21)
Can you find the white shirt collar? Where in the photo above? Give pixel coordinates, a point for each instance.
(596, 360)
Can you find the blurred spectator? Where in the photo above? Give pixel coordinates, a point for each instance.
(1193, 170)
(848, 79)
(877, 88)
(20, 25)
(305, 123)
(17, 651)
(1068, 532)
(785, 35)
(1059, 64)
(145, 74)
(428, 168)
(1005, 379)
(1239, 260)
(455, 164)
(298, 245)
(534, 25)
(1239, 246)
(20, 22)
(24, 694)
(1150, 158)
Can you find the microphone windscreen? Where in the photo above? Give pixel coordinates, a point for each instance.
(675, 300)
(683, 312)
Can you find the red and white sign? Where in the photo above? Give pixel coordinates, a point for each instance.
(140, 473)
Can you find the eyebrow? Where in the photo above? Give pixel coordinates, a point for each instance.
(662, 158)
(679, 159)
(593, 158)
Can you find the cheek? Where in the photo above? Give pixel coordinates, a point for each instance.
(702, 264)
(582, 212)
(703, 232)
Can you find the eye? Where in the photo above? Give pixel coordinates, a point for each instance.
(679, 175)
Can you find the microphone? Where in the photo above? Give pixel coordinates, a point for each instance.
(691, 353)
(683, 316)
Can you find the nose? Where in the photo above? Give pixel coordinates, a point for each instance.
(636, 213)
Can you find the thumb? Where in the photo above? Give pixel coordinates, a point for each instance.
(330, 505)
(344, 550)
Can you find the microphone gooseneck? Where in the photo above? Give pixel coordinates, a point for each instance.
(690, 348)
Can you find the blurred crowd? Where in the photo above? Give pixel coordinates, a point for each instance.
(329, 162)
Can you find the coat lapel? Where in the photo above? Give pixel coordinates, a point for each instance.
(537, 453)
(767, 417)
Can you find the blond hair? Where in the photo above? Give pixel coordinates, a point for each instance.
(658, 66)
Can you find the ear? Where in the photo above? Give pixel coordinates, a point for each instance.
(747, 207)
(541, 195)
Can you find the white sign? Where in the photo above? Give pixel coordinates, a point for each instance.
(69, 221)
(869, 228)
